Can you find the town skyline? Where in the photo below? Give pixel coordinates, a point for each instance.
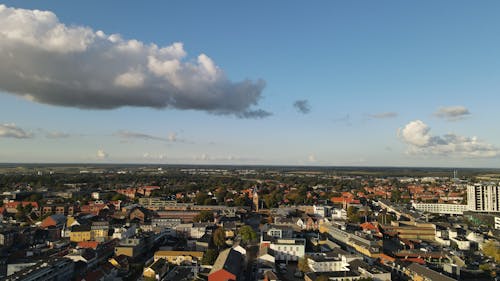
(330, 84)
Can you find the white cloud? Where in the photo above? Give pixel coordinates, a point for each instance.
(452, 113)
(101, 154)
(12, 131)
(134, 135)
(154, 157)
(417, 135)
(48, 62)
(172, 137)
(312, 158)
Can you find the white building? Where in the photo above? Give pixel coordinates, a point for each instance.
(445, 209)
(327, 263)
(339, 214)
(290, 249)
(483, 197)
(191, 230)
(497, 222)
(124, 232)
(322, 211)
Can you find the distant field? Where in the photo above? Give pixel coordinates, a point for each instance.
(486, 173)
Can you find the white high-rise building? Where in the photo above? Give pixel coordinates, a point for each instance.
(483, 197)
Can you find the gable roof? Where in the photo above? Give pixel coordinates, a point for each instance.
(229, 260)
(58, 218)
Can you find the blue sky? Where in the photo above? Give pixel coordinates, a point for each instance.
(387, 83)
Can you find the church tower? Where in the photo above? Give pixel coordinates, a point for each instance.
(255, 199)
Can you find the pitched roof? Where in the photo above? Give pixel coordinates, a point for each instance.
(229, 260)
(158, 264)
(58, 218)
(428, 273)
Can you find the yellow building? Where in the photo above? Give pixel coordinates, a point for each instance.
(99, 234)
(80, 233)
(179, 257)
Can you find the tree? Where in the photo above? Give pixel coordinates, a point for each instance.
(219, 238)
(240, 201)
(384, 218)
(204, 216)
(395, 194)
(492, 249)
(303, 264)
(209, 257)
(353, 215)
(21, 212)
(247, 234)
(200, 198)
(119, 196)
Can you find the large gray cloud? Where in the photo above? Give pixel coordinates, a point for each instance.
(416, 134)
(452, 113)
(13, 131)
(302, 106)
(48, 62)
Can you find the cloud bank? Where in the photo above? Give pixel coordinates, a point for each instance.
(452, 113)
(302, 106)
(46, 61)
(417, 136)
(13, 131)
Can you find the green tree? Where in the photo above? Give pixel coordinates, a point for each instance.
(119, 196)
(219, 238)
(200, 198)
(353, 215)
(21, 212)
(204, 216)
(35, 197)
(247, 234)
(395, 195)
(209, 257)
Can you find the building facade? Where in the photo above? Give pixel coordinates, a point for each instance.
(483, 197)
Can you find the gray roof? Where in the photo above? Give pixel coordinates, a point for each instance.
(157, 265)
(229, 260)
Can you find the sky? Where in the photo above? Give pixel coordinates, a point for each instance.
(340, 83)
